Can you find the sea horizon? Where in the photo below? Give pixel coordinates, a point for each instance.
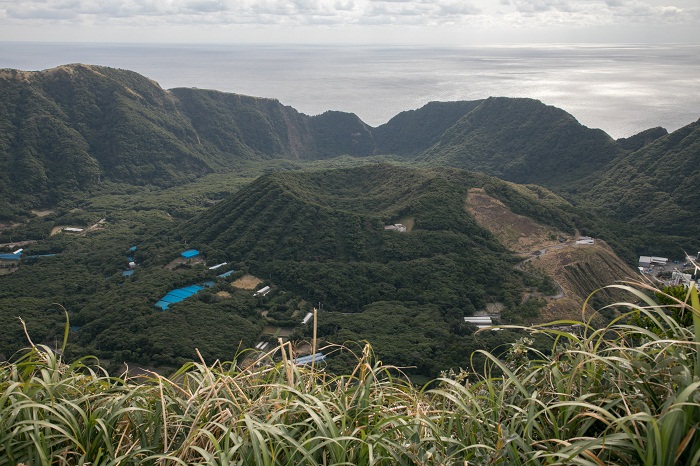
(620, 88)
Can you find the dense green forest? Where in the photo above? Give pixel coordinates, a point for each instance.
(80, 131)
(301, 203)
(315, 236)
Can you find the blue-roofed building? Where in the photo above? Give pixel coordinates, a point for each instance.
(15, 256)
(37, 256)
(132, 248)
(127, 273)
(180, 294)
(226, 274)
(190, 254)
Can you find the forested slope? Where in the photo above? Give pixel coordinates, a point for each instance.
(70, 128)
(525, 141)
(656, 187)
(414, 131)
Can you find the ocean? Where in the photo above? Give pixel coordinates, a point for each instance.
(622, 89)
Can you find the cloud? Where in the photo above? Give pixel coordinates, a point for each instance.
(502, 14)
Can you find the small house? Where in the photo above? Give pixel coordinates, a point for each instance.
(396, 227)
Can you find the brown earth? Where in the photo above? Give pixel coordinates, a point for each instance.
(246, 282)
(518, 233)
(577, 269)
(408, 222)
(41, 213)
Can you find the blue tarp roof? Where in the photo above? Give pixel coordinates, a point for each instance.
(224, 275)
(132, 248)
(190, 253)
(10, 257)
(180, 294)
(127, 273)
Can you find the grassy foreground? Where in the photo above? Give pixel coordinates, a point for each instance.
(623, 394)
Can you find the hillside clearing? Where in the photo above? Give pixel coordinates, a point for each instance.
(246, 282)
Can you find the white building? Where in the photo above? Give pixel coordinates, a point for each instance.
(480, 321)
(396, 227)
(585, 240)
(647, 261)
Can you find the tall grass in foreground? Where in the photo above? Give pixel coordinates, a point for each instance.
(622, 394)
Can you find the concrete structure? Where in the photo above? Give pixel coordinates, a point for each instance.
(679, 278)
(647, 261)
(262, 345)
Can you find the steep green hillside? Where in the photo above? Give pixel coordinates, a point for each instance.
(321, 235)
(656, 187)
(414, 131)
(525, 141)
(639, 140)
(249, 127)
(328, 227)
(236, 127)
(68, 129)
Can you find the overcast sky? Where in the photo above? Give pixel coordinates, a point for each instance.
(434, 22)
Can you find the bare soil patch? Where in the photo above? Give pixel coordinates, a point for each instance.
(41, 213)
(223, 294)
(408, 222)
(578, 270)
(516, 232)
(246, 282)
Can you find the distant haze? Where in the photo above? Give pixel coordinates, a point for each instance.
(620, 89)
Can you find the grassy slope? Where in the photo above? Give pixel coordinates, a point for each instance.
(598, 398)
